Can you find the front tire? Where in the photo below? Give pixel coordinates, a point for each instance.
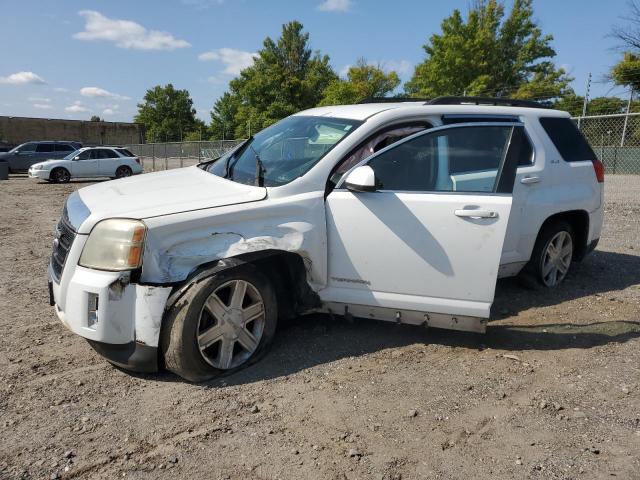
(222, 324)
(60, 175)
(552, 254)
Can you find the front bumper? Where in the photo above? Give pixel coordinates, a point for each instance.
(121, 320)
(41, 174)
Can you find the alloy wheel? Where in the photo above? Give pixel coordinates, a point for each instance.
(231, 324)
(557, 258)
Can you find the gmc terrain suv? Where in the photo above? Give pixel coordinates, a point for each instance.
(406, 212)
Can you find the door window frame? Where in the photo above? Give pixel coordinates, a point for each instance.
(507, 154)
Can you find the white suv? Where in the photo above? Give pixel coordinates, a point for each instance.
(406, 212)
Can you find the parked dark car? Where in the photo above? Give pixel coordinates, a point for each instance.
(25, 155)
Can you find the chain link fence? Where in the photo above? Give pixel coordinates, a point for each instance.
(165, 156)
(615, 140)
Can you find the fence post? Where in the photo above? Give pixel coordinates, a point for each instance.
(626, 119)
(153, 156)
(199, 152)
(166, 161)
(181, 147)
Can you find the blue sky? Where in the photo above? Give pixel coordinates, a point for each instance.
(72, 59)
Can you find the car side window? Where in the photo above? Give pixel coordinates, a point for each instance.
(28, 147)
(461, 159)
(63, 147)
(86, 155)
(45, 148)
(109, 154)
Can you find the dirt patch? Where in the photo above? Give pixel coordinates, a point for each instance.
(551, 391)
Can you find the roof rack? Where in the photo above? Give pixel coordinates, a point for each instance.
(504, 102)
(392, 100)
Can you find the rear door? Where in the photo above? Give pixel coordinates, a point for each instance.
(44, 151)
(429, 239)
(109, 162)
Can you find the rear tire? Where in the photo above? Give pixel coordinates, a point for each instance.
(221, 325)
(60, 175)
(552, 255)
(123, 171)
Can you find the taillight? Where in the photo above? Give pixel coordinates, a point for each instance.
(137, 160)
(598, 167)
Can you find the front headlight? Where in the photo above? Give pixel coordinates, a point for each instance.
(37, 167)
(115, 244)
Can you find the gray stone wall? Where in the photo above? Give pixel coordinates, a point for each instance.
(17, 130)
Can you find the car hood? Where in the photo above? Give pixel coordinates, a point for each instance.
(161, 193)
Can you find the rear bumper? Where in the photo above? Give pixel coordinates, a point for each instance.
(130, 356)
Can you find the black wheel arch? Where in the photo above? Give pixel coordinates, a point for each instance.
(579, 221)
(285, 270)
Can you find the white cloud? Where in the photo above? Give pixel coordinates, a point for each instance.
(401, 67)
(126, 33)
(234, 60)
(22, 78)
(39, 99)
(335, 6)
(100, 93)
(42, 106)
(77, 107)
(108, 111)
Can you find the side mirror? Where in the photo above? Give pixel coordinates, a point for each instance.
(362, 179)
(77, 157)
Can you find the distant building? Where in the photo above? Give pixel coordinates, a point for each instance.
(17, 130)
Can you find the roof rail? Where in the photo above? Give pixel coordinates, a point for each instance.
(392, 100)
(504, 102)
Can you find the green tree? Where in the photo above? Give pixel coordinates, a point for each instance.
(596, 106)
(95, 118)
(223, 117)
(167, 114)
(490, 55)
(363, 81)
(627, 71)
(285, 78)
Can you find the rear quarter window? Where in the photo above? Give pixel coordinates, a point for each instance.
(568, 140)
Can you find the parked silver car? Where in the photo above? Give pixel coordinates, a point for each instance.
(23, 156)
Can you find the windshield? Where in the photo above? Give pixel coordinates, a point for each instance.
(285, 151)
(72, 155)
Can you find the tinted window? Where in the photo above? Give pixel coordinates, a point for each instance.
(125, 152)
(45, 147)
(27, 147)
(85, 155)
(566, 137)
(465, 159)
(105, 153)
(63, 147)
(526, 152)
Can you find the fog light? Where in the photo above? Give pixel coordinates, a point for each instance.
(92, 313)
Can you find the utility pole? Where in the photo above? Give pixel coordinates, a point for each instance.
(586, 100)
(626, 118)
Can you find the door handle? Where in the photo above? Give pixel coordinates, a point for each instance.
(529, 180)
(470, 213)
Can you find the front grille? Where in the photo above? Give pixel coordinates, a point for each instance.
(61, 246)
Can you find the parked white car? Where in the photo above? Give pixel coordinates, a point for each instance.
(88, 162)
(406, 212)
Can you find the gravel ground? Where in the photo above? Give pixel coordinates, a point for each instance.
(552, 390)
